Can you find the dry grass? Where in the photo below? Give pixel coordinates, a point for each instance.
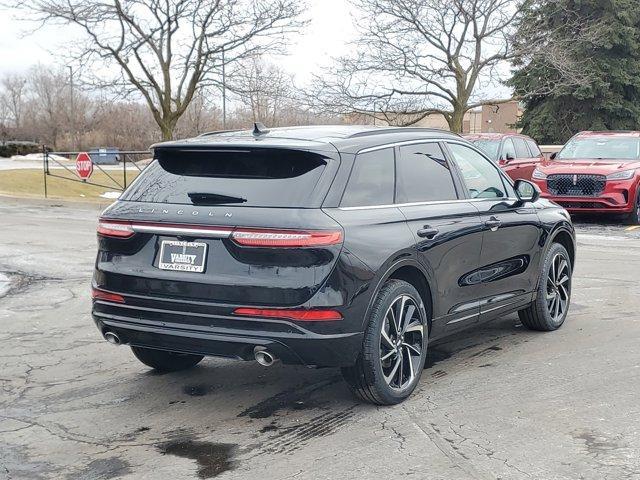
(30, 183)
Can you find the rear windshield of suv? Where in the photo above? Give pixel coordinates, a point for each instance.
(601, 147)
(254, 177)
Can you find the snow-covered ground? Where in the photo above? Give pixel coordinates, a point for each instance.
(34, 160)
(10, 164)
(38, 157)
(5, 284)
(111, 195)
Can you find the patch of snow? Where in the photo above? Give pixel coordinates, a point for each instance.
(5, 284)
(113, 195)
(38, 157)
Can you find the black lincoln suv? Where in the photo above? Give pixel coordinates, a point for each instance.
(332, 246)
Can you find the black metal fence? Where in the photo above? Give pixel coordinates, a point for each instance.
(130, 158)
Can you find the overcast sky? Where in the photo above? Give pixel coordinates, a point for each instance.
(326, 37)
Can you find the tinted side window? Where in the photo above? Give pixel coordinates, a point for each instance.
(521, 148)
(535, 151)
(372, 180)
(480, 176)
(508, 149)
(423, 175)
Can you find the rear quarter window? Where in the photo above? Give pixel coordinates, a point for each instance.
(533, 146)
(255, 177)
(521, 148)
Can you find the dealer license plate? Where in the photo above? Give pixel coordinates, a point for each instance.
(182, 256)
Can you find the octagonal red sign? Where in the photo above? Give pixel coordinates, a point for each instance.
(84, 165)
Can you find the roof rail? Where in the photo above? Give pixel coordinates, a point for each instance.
(218, 132)
(380, 131)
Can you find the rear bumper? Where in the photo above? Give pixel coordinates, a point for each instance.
(224, 336)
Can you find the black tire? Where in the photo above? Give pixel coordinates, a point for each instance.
(164, 361)
(549, 310)
(634, 217)
(368, 378)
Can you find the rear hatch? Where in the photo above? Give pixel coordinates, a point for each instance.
(229, 225)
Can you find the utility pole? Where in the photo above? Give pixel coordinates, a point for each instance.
(224, 93)
(73, 110)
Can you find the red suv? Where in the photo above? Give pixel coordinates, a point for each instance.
(595, 172)
(518, 155)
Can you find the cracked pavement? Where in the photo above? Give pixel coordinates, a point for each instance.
(496, 402)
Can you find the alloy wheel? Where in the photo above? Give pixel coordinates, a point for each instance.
(401, 342)
(558, 287)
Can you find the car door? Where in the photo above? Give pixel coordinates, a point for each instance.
(507, 275)
(507, 159)
(447, 229)
(524, 164)
(536, 155)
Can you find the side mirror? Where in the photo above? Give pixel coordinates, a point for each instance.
(526, 191)
(553, 155)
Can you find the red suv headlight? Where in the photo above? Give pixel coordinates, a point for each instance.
(623, 175)
(538, 175)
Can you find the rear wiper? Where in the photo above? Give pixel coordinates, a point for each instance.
(198, 198)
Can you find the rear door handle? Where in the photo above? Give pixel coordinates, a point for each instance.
(493, 223)
(428, 232)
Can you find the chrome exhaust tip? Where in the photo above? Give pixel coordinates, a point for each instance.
(112, 338)
(264, 357)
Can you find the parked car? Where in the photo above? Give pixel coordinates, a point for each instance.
(518, 155)
(595, 172)
(332, 246)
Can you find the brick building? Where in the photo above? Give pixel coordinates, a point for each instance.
(499, 118)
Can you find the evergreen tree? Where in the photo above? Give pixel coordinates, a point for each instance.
(582, 71)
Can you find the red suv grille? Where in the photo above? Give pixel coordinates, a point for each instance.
(575, 205)
(576, 185)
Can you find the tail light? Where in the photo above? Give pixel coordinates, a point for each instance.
(98, 294)
(115, 228)
(301, 315)
(250, 237)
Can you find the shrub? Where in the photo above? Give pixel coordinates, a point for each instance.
(10, 149)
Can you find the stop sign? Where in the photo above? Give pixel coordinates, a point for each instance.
(84, 165)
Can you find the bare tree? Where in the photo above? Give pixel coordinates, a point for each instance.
(420, 57)
(13, 97)
(125, 125)
(265, 88)
(166, 50)
(203, 115)
(49, 92)
(4, 121)
(100, 120)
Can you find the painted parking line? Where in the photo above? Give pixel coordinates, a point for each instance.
(631, 229)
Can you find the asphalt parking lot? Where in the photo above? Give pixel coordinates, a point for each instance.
(496, 402)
